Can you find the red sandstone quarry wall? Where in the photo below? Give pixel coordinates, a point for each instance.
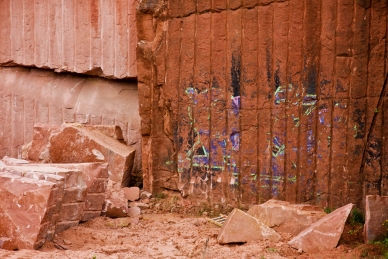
(95, 37)
(247, 100)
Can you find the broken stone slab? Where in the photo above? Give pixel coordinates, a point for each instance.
(240, 227)
(376, 214)
(323, 234)
(132, 193)
(285, 217)
(25, 209)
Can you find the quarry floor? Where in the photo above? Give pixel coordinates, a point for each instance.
(169, 235)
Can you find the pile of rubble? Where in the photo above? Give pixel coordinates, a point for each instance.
(313, 230)
(72, 174)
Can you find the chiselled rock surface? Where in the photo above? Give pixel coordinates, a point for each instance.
(261, 96)
(284, 217)
(96, 38)
(376, 214)
(26, 208)
(323, 234)
(240, 227)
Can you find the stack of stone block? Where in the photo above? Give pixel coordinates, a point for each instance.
(74, 173)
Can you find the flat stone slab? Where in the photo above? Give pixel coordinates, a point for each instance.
(285, 217)
(240, 227)
(376, 213)
(323, 234)
(26, 207)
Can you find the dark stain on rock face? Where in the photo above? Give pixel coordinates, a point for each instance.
(364, 3)
(311, 80)
(215, 83)
(277, 79)
(268, 64)
(374, 150)
(359, 119)
(235, 72)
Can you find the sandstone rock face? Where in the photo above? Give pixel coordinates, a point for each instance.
(284, 217)
(262, 107)
(61, 98)
(240, 227)
(376, 214)
(96, 38)
(26, 206)
(323, 234)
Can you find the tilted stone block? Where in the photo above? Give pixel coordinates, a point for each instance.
(323, 234)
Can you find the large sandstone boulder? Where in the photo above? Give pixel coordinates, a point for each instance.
(26, 208)
(376, 214)
(240, 227)
(323, 234)
(285, 217)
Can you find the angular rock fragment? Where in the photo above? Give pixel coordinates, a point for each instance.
(131, 193)
(376, 214)
(240, 227)
(116, 205)
(323, 234)
(145, 195)
(26, 208)
(284, 217)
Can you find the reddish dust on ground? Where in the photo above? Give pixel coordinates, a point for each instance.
(170, 236)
